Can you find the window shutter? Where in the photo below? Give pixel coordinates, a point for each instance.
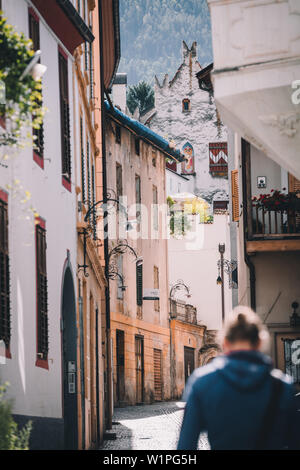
(5, 324)
(294, 183)
(139, 284)
(235, 195)
(156, 286)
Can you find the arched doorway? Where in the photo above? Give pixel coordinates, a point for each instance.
(69, 361)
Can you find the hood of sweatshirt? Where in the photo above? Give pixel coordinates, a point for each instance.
(246, 370)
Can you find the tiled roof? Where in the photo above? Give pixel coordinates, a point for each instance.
(143, 132)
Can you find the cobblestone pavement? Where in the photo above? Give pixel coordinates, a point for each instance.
(148, 427)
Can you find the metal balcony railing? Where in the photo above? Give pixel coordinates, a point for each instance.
(183, 312)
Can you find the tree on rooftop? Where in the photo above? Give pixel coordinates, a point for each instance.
(140, 96)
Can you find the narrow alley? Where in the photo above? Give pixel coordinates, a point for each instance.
(148, 427)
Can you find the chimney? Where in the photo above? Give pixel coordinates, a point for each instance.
(119, 91)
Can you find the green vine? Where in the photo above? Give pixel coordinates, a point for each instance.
(21, 107)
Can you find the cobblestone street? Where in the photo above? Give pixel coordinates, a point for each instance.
(148, 427)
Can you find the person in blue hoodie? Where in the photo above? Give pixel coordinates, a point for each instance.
(239, 399)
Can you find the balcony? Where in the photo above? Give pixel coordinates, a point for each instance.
(183, 312)
(275, 223)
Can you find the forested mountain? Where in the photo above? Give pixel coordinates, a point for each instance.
(152, 32)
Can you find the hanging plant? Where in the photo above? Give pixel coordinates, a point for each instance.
(278, 201)
(20, 104)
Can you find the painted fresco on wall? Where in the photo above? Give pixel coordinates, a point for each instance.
(188, 167)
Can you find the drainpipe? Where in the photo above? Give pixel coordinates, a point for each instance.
(246, 194)
(109, 404)
(82, 388)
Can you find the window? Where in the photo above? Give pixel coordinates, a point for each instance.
(118, 134)
(5, 331)
(235, 195)
(138, 198)
(218, 160)
(154, 157)
(137, 146)
(139, 284)
(65, 120)
(34, 34)
(120, 293)
(156, 286)
(42, 294)
(82, 162)
(119, 183)
(155, 207)
(186, 105)
(220, 205)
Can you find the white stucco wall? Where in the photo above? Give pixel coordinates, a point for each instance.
(195, 261)
(36, 391)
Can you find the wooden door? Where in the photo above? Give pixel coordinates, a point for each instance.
(157, 374)
(189, 362)
(139, 360)
(120, 366)
(288, 354)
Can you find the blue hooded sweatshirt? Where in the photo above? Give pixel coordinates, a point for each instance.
(228, 399)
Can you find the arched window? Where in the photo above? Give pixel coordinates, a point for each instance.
(186, 105)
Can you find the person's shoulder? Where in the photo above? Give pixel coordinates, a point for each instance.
(203, 375)
(284, 378)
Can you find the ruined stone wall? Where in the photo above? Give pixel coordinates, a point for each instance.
(199, 126)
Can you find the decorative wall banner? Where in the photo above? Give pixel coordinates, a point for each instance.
(218, 159)
(188, 167)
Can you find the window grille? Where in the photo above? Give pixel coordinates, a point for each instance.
(34, 34)
(42, 294)
(65, 118)
(5, 320)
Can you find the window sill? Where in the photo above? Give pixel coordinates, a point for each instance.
(43, 363)
(66, 184)
(38, 160)
(7, 353)
(2, 122)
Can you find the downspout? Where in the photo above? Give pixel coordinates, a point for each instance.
(82, 388)
(246, 195)
(109, 405)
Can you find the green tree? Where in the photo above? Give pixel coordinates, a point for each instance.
(11, 438)
(140, 96)
(20, 100)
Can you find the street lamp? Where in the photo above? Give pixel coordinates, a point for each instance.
(37, 70)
